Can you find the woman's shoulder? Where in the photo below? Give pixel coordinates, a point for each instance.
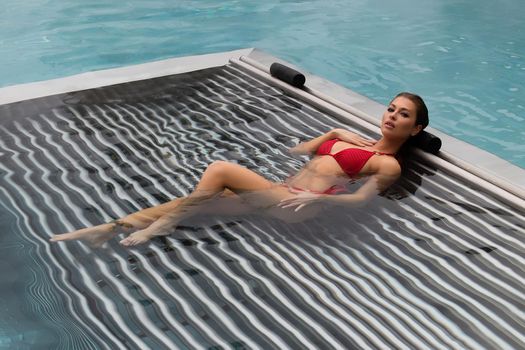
(389, 165)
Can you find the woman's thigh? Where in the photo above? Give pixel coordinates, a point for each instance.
(221, 174)
(149, 215)
(230, 204)
(265, 203)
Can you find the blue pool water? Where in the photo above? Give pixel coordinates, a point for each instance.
(464, 57)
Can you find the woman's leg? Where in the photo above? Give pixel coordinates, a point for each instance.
(99, 234)
(218, 176)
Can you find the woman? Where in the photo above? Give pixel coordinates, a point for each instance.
(228, 188)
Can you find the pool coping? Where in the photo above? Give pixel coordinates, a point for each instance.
(474, 157)
(112, 76)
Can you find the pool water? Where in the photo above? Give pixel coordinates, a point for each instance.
(435, 263)
(464, 57)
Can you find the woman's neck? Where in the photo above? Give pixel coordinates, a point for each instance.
(391, 146)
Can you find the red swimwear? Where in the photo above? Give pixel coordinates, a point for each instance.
(335, 189)
(351, 160)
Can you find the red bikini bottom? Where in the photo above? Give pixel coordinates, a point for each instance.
(335, 189)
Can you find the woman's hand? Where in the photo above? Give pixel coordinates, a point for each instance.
(347, 136)
(300, 200)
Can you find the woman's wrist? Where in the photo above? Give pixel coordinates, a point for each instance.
(328, 198)
(334, 133)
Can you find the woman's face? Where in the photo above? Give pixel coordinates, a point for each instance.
(399, 119)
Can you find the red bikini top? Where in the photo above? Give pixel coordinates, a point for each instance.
(351, 160)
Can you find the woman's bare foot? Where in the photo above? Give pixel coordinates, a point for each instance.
(94, 236)
(138, 237)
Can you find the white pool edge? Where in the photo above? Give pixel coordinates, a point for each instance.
(95, 79)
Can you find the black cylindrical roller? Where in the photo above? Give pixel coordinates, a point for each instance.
(287, 74)
(428, 142)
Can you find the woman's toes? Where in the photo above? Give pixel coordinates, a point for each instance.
(61, 237)
(135, 239)
(126, 241)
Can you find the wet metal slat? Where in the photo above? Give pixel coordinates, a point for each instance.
(433, 264)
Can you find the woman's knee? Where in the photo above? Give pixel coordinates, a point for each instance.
(233, 176)
(219, 167)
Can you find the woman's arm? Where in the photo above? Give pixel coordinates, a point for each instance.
(311, 146)
(356, 199)
(388, 173)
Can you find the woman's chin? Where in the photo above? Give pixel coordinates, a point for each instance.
(388, 131)
(393, 133)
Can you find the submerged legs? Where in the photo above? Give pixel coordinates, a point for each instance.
(99, 234)
(218, 177)
(94, 236)
(215, 193)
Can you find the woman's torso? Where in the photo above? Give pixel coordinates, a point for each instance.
(325, 170)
